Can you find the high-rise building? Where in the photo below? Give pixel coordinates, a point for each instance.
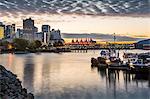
(19, 33)
(46, 33)
(28, 29)
(8, 31)
(13, 30)
(35, 29)
(55, 36)
(46, 28)
(2, 31)
(39, 36)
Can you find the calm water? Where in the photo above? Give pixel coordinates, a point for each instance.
(70, 76)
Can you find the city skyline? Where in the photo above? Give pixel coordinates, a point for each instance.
(131, 26)
(126, 18)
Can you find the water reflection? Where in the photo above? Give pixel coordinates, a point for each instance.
(116, 79)
(70, 76)
(28, 73)
(10, 59)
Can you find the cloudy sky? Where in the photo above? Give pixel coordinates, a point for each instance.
(124, 17)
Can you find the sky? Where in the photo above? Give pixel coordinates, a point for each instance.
(123, 17)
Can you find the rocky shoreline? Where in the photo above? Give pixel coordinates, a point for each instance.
(10, 86)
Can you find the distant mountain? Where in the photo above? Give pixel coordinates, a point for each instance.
(93, 7)
(102, 37)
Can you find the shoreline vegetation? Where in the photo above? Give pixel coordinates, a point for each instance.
(22, 46)
(25, 46)
(11, 87)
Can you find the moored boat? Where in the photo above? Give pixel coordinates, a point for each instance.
(138, 62)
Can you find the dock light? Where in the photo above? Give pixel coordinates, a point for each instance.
(107, 61)
(10, 46)
(131, 65)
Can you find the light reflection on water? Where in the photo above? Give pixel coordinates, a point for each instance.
(70, 76)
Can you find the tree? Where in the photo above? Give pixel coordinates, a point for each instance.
(4, 44)
(20, 44)
(59, 43)
(34, 44)
(38, 43)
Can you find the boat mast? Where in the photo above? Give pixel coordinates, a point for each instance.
(114, 43)
(114, 38)
(116, 54)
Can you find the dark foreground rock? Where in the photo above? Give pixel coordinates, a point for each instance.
(10, 86)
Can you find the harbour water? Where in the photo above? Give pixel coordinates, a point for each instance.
(70, 76)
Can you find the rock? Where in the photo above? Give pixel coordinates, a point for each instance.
(30, 96)
(11, 87)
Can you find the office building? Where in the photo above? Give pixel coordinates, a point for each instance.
(55, 37)
(2, 31)
(28, 29)
(10, 31)
(19, 33)
(46, 28)
(46, 33)
(39, 36)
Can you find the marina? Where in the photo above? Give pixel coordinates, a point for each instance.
(134, 62)
(130, 62)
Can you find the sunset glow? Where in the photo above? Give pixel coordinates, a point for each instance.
(128, 26)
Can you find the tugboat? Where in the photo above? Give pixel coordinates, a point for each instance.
(101, 61)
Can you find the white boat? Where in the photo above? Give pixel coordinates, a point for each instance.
(137, 60)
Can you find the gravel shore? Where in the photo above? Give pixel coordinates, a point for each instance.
(10, 86)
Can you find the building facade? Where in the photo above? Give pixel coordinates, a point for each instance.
(19, 33)
(143, 44)
(28, 29)
(46, 33)
(39, 36)
(2, 31)
(13, 31)
(55, 37)
(10, 31)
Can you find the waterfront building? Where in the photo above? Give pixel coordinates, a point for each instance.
(143, 44)
(46, 28)
(2, 31)
(82, 41)
(19, 33)
(55, 37)
(46, 33)
(45, 37)
(10, 31)
(28, 29)
(35, 29)
(13, 31)
(39, 36)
